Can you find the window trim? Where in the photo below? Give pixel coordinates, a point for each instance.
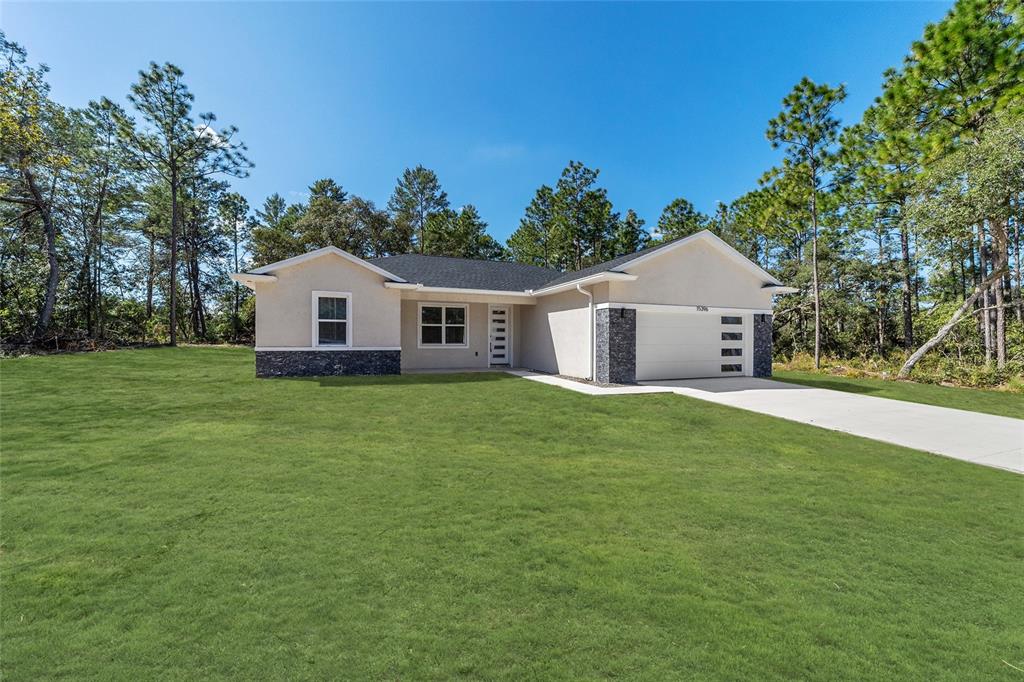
(443, 325)
(315, 314)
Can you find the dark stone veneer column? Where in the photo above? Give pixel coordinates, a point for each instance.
(762, 345)
(319, 363)
(615, 346)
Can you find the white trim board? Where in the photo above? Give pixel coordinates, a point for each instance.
(604, 276)
(682, 308)
(454, 290)
(338, 349)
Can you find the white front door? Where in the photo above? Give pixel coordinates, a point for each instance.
(500, 339)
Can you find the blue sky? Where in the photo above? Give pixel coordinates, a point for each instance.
(666, 99)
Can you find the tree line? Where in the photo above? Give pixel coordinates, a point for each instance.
(901, 230)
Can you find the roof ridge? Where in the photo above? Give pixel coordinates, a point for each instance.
(462, 258)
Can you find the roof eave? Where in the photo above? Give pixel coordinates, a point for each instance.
(250, 279)
(780, 289)
(606, 276)
(454, 290)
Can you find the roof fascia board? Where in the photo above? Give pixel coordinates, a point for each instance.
(296, 260)
(455, 290)
(607, 276)
(249, 280)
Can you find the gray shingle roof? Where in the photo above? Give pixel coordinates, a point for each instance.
(465, 273)
(606, 266)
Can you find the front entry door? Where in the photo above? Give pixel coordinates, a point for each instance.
(500, 335)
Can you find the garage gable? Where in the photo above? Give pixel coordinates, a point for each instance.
(698, 272)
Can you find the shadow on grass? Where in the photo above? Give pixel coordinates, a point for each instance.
(405, 379)
(831, 384)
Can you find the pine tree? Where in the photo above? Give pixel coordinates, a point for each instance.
(630, 235)
(235, 224)
(173, 147)
(532, 243)
(417, 196)
(680, 219)
(274, 237)
(807, 130)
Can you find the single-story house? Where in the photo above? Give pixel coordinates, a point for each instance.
(694, 307)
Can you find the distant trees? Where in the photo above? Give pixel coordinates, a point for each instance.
(417, 197)
(462, 234)
(574, 225)
(236, 227)
(629, 234)
(171, 148)
(33, 138)
(680, 219)
(535, 242)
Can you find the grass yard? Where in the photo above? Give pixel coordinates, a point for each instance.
(1003, 403)
(167, 516)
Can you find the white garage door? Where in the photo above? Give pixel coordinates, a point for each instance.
(690, 345)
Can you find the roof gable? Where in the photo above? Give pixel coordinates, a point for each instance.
(709, 238)
(622, 264)
(325, 251)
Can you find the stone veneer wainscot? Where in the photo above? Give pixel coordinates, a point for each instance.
(762, 345)
(615, 349)
(318, 363)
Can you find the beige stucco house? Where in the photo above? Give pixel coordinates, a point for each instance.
(694, 307)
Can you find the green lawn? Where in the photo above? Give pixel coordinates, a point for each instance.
(1001, 403)
(166, 515)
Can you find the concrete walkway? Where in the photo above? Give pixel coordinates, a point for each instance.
(970, 436)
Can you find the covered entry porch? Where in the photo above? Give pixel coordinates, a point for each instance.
(459, 331)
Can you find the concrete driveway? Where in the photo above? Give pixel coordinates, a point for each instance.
(971, 436)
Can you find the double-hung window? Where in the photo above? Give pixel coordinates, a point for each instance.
(332, 318)
(443, 325)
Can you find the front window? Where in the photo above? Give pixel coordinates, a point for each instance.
(332, 319)
(443, 325)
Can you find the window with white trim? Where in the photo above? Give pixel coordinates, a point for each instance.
(443, 325)
(332, 313)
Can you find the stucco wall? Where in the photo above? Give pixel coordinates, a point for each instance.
(697, 274)
(284, 309)
(475, 355)
(555, 335)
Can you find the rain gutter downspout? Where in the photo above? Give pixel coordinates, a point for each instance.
(590, 306)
